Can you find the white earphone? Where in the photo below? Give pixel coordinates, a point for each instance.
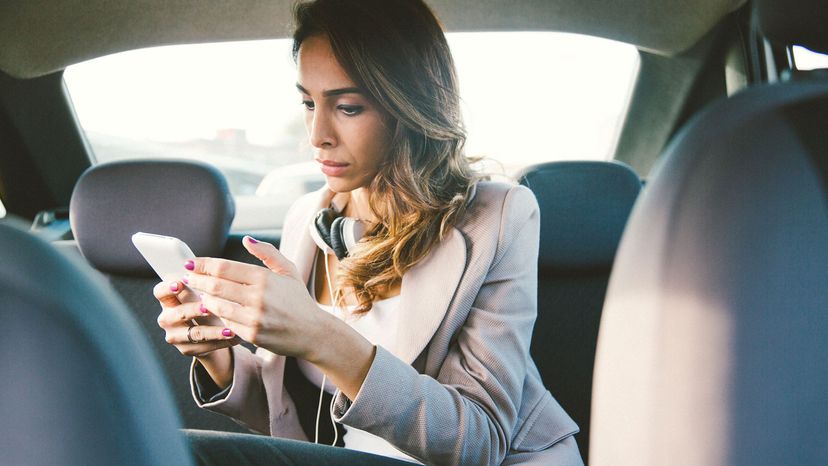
(337, 235)
(333, 235)
(325, 376)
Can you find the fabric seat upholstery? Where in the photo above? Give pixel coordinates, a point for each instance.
(713, 342)
(584, 207)
(80, 383)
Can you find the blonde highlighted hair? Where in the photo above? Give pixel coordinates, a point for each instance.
(395, 50)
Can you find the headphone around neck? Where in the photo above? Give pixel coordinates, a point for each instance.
(334, 233)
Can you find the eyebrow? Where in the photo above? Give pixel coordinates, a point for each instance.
(332, 92)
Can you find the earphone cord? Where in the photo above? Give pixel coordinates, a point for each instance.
(325, 376)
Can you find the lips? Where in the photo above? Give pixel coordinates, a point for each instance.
(333, 168)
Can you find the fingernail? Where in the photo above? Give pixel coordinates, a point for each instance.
(203, 309)
(174, 287)
(189, 265)
(227, 332)
(184, 279)
(252, 240)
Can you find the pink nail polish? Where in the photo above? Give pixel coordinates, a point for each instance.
(227, 332)
(252, 240)
(189, 265)
(174, 287)
(203, 309)
(184, 279)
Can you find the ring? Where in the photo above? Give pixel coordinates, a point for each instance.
(190, 334)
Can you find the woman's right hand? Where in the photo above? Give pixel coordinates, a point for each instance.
(176, 320)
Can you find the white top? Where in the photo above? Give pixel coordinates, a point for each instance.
(370, 326)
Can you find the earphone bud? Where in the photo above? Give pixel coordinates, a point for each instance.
(334, 233)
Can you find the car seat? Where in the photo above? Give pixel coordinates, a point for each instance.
(714, 337)
(188, 200)
(80, 384)
(584, 206)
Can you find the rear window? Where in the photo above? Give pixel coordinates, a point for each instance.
(527, 98)
(805, 59)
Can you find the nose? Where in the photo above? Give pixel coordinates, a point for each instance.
(322, 134)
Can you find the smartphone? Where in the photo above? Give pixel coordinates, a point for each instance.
(166, 255)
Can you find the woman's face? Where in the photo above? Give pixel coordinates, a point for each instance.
(349, 132)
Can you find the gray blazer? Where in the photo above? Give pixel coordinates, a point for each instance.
(458, 386)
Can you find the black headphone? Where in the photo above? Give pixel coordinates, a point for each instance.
(335, 233)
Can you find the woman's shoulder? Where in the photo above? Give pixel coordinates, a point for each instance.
(488, 189)
(498, 215)
(498, 199)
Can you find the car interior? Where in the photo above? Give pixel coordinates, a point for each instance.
(681, 318)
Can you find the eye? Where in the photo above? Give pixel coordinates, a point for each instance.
(309, 105)
(350, 110)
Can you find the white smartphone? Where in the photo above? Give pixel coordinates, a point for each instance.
(166, 255)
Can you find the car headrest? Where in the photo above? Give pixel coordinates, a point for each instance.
(584, 206)
(81, 384)
(112, 201)
(712, 344)
(794, 22)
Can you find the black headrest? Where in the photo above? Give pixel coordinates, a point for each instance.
(584, 207)
(80, 383)
(794, 22)
(112, 201)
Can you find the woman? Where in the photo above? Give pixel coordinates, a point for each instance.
(422, 328)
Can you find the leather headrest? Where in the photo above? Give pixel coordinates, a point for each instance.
(584, 207)
(188, 200)
(794, 22)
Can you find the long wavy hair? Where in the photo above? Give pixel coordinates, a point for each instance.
(396, 51)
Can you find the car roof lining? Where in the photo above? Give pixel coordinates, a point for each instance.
(38, 37)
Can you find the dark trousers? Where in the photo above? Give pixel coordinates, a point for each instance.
(212, 448)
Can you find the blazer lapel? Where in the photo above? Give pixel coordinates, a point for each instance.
(425, 295)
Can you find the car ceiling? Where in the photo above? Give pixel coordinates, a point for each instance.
(38, 37)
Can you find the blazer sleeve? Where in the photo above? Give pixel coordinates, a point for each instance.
(467, 415)
(246, 402)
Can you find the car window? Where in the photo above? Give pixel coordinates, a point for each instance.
(805, 59)
(527, 98)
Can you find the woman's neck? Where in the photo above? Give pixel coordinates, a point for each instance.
(358, 205)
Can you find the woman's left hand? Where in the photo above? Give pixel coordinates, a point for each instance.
(269, 307)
